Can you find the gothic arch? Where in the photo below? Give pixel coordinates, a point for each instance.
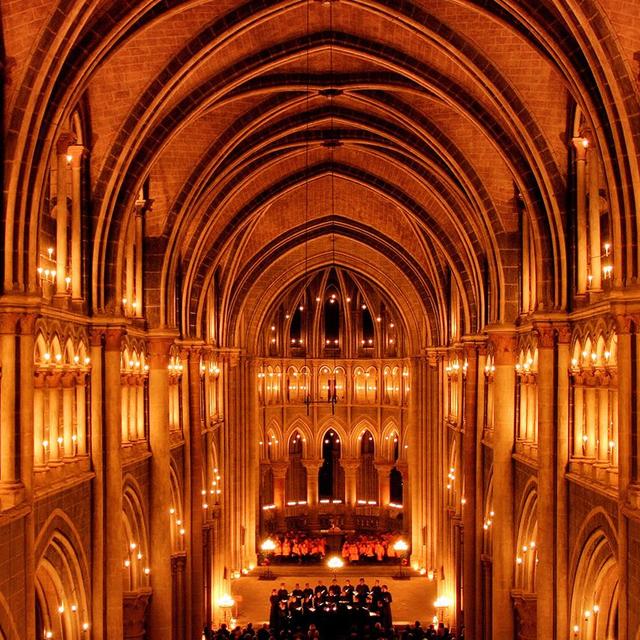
(63, 598)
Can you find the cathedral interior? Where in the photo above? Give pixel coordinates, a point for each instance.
(315, 265)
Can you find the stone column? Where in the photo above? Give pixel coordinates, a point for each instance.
(580, 145)
(384, 488)
(594, 220)
(563, 357)
(139, 231)
(160, 618)
(8, 389)
(98, 618)
(627, 463)
(67, 415)
(77, 153)
(312, 466)
(129, 275)
(195, 556)
(55, 449)
(279, 471)
(503, 440)
(38, 420)
(471, 556)
(62, 212)
(545, 544)
(178, 563)
(25, 377)
(114, 542)
(350, 467)
(81, 412)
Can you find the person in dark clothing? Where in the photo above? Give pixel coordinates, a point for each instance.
(263, 633)
(274, 601)
(348, 589)
(283, 594)
(385, 612)
(334, 591)
(297, 593)
(362, 592)
(307, 592)
(376, 590)
(320, 588)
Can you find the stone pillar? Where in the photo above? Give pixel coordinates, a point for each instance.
(160, 618)
(62, 212)
(563, 358)
(67, 415)
(8, 389)
(114, 542)
(81, 413)
(312, 466)
(77, 153)
(178, 562)
(503, 440)
(350, 467)
(279, 471)
(384, 488)
(38, 420)
(129, 275)
(471, 556)
(627, 462)
(545, 544)
(195, 549)
(139, 295)
(25, 378)
(594, 221)
(98, 618)
(580, 145)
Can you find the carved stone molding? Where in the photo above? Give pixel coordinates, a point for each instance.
(135, 605)
(525, 606)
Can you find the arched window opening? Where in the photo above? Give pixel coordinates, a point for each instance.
(367, 481)
(368, 330)
(295, 329)
(296, 481)
(332, 322)
(331, 474)
(396, 487)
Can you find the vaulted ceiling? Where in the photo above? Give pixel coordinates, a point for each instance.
(415, 133)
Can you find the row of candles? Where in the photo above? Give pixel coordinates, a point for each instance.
(61, 610)
(57, 359)
(588, 614)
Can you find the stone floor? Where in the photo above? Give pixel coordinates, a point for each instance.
(412, 599)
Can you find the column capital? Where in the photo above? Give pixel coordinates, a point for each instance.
(65, 140)
(350, 465)
(545, 333)
(580, 145)
(312, 464)
(113, 338)
(159, 348)
(279, 468)
(9, 322)
(502, 339)
(383, 466)
(626, 323)
(77, 153)
(142, 206)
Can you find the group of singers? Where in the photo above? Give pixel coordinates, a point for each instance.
(330, 606)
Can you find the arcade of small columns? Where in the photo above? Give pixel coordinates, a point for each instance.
(363, 421)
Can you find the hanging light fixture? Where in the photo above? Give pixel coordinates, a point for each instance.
(332, 395)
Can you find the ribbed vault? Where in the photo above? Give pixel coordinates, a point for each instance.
(241, 117)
